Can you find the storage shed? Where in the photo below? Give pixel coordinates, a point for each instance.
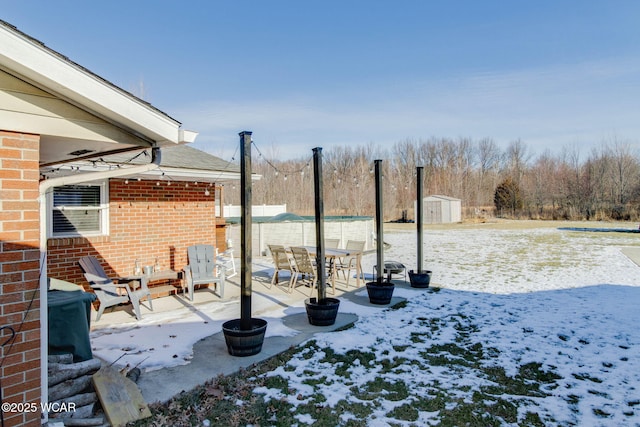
(441, 209)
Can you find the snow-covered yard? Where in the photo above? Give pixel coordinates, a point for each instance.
(528, 326)
(532, 321)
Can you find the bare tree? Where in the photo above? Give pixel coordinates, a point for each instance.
(623, 172)
(516, 158)
(604, 185)
(488, 164)
(401, 175)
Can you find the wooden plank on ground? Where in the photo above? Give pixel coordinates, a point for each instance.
(120, 397)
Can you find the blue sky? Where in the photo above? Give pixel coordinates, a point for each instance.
(304, 74)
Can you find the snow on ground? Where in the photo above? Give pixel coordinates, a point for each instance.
(567, 300)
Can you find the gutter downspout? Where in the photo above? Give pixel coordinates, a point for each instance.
(45, 186)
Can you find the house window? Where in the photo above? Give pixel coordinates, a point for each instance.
(79, 210)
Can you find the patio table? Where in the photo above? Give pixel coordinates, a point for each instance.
(156, 276)
(332, 254)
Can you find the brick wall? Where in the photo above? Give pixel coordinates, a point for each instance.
(19, 274)
(146, 221)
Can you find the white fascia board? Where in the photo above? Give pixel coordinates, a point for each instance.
(161, 172)
(180, 174)
(187, 136)
(51, 72)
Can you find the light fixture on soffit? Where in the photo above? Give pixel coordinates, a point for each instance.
(80, 152)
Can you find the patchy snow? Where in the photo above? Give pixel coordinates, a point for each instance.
(587, 336)
(567, 300)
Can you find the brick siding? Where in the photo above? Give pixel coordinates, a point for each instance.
(146, 221)
(19, 274)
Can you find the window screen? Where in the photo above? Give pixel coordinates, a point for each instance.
(77, 209)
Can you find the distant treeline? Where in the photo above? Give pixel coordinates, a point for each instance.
(603, 183)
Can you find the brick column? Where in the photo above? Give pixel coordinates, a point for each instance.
(19, 275)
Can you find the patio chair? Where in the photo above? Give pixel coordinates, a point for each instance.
(306, 266)
(109, 292)
(282, 261)
(349, 263)
(331, 243)
(203, 269)
(227, 261)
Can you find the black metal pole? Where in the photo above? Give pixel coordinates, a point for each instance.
(379, 221)
(245, 231)
(319, 210)
(419, 215)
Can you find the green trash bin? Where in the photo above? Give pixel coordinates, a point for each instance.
(69, 315)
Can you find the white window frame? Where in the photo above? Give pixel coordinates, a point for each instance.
(103, 210)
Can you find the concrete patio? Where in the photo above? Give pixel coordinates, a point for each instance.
(210, 357)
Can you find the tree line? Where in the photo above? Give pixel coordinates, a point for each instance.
(602, 184)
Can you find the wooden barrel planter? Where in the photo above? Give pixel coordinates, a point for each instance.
(420, 279)
(380, 292)
(244, 342)
(323, 312)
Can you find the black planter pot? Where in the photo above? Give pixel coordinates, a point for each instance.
(244, 342)
(380, 292)
(420, 279)
(323, 312)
